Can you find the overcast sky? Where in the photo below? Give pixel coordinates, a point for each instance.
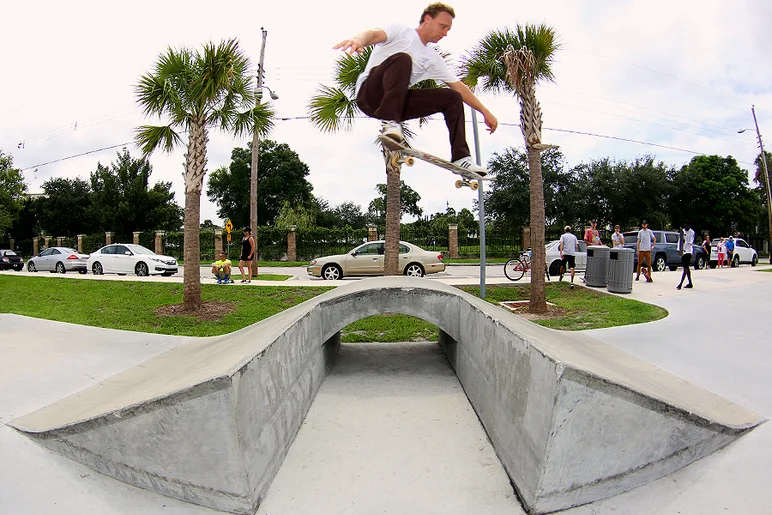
(678, 75)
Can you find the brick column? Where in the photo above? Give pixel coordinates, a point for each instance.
(292, 249)
(372, 232)
(59, 241)
(109, 237)
(11, 244)
(136, 237)
(35, 246)
(217, 242)
(159, 242)
(526, 237)
(453, 240)
(46, 241)
(80, 242)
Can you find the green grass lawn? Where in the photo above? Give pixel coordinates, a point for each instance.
(583, 308)
(134, 305)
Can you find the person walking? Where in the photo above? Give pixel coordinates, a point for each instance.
(646, 241)
(617, 239)
(592, 235)
(568, 246)
(707, 249)
(247, 255)
(721, 249)
(403, 57)
(685, 243)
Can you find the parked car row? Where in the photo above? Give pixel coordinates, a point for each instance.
(117, 258)
(664, 255)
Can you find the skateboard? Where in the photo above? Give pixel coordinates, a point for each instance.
(408, 155)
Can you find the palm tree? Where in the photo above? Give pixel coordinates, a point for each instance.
(515, 61)
(334, 108)
(197, 91)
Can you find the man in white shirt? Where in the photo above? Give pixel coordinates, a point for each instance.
(685, 243)
(402, 58)
(646, 241)
(568, 246)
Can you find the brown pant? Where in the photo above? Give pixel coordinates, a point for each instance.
(643, 254)
(385, 95)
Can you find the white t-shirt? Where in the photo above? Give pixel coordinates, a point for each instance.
(569, 242)
(644, 239)
(427, 62)
(688, 241)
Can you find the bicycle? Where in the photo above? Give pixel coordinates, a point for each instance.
(515, 268)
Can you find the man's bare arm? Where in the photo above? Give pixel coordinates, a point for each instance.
(358, 43)
(472, 101)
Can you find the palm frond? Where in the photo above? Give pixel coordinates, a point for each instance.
(348, 68)
(330, 109)
(260, 118)
(151, 137)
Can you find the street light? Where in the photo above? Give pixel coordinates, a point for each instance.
(259, 93)
(767, 178)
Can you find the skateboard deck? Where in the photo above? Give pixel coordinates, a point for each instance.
(407, 155)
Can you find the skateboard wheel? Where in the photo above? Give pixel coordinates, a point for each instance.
(459, 184)
(474, 185)
(410, 161)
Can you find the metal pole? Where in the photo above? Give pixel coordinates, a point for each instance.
(255, 155)
(480, 203)
(767, 180)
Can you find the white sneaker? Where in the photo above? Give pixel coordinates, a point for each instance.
(468, 164)
(393, 130)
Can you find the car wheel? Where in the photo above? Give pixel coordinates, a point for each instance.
(754, 260)
(414, 270)
(699, 264)
(660, 263)
(141, 269)
(555, 268)
(332, 272)
(31, 267)
(97, 269)
(60, 268)
(736, 262)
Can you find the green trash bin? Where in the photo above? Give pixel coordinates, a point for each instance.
(597, 266)
(620, 270)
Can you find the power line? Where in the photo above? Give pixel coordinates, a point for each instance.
(76, 155)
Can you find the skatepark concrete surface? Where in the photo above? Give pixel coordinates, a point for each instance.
(391, 430)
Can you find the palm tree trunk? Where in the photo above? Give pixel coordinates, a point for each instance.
(538, 302)
(195, 168)
(393, 215)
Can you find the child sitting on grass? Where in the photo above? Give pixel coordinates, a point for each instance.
(222, 269)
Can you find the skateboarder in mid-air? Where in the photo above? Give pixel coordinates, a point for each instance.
(401, 58)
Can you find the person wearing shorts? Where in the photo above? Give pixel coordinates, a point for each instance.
(247, 256)
(568, 246)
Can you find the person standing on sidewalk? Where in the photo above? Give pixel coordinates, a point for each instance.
(707, 249)
(592, 235)
(646, 241)
(247, 255)
(568, 246)
(685, 242)
(730, 252)
(721, 250)
(617, 239)
(401, 58)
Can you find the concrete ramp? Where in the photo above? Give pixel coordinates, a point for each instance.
(209, 422)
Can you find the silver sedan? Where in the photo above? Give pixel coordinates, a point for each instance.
(59, 260)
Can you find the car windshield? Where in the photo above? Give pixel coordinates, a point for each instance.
(139, 249)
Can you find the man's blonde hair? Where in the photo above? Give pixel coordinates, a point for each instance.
(436, 8)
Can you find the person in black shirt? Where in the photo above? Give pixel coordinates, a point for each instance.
(247, 256)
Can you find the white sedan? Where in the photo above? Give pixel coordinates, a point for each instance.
(553, 257)
(122, 259)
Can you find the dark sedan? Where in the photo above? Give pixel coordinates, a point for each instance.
(10, 259)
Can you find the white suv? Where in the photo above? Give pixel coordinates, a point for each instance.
(743, 253)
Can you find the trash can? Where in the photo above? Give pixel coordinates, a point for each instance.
(620, 270)
(597, 266)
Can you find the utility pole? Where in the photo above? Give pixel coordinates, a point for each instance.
(480, 204)
(255, 155)
(767, 180)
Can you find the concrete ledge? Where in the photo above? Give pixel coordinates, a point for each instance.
(572, 420)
